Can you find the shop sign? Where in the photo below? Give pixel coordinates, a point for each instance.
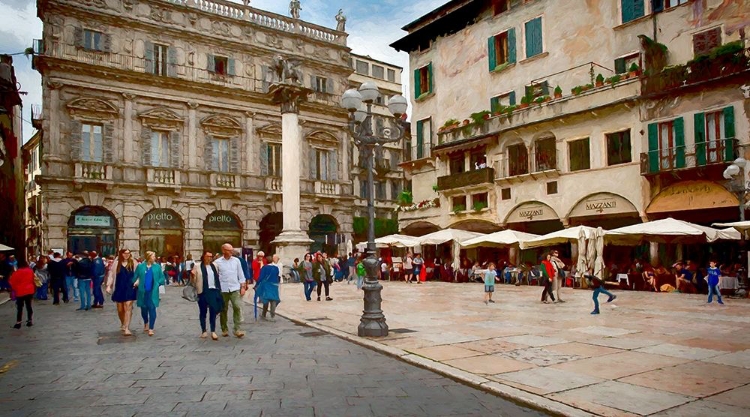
(221, 220)
(692, 195)
(531, 213)
(95, 221)
(161, 219)
(602, 204)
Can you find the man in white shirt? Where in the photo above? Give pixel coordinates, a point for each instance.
(277, 262)
(233, 286)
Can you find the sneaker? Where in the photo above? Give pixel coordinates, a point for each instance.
(612, 298)
(318, 298)
(721, 302)
(29, 323)
(80, 309)
(329, 299)
(17, 326)
(224, 333)
(560, 301)
(492, 301)
(595, 312)
(204, 335)
(214, 336)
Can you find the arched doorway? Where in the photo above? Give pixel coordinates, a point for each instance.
(270, 226)
(92, 228)
(162, 232)
(419, 229)
(322, 231)
(221, 227)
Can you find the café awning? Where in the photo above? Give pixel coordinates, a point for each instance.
(399, 241)
(667, 230)
(571, 234)
(447, 235)
(502, 238)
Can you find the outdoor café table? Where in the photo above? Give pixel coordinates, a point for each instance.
(728, 283)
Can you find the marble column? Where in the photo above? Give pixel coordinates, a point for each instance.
(292, 242)
(192, 136)
(127, 136)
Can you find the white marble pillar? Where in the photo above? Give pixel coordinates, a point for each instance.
(192, 144)
(127, 136)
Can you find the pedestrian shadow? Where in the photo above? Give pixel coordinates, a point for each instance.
(109, 338)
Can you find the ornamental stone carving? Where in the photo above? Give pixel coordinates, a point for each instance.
(221, 125)
(269, 131)
(322, 137)
(92, 107)
(161, 118)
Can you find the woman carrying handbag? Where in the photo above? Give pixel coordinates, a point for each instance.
(205, 279)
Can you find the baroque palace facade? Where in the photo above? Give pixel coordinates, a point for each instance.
(557, 114)
(159, 132)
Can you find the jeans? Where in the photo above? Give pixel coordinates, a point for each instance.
(71, 285)
(309, 287)
(597, 291)
(58, 284)
(43, 291)
(547, 290)
(148, 312)
(235, 298)
(325, 284)
(204, 308)
(359, 283)
(295, 275)
(352, 274)
(98, 294)
(20, 302)
(714, 289)
(84, 288)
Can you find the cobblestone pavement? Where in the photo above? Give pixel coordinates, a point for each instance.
(76, 364)
(647, 353)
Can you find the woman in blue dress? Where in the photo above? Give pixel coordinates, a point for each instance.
(267, 289)
(120, 278)
(148, 277)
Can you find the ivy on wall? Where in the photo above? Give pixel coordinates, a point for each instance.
(383, 227)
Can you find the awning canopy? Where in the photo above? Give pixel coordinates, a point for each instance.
(463, 145)
(570, 234)
(447, 235)
(667, 230)
(741, 226)
(691, 195)
(400, 241)
(502, 238)
(4, 248)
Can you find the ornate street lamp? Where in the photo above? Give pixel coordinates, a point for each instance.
(367, 138)
(740, 186)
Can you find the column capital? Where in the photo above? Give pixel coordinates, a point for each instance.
(55, 85)
(250, 113)
(192, 105)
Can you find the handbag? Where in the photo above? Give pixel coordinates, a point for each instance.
(37, 281)
(189, 293)
(162, 290)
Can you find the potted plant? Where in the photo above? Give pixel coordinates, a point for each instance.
(599, 80)
(525, 102)
(449, 124)
(405, 198)
(614, 79)
(457, 208)
(539, 100)
(547, 98)
(576, 90)
(435, 188)
(634, 70)
(466, 122)
(479, 205)
(480, 117)
(558, 92)
(499, 110)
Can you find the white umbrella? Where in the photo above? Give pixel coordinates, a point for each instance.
(667, 230)
(502, 238)
(401, 241)
(730, 233)
(570, 234)
(740, 226)
(581, 266)
(599, 263)
(591, 252)
(447, 235)
(4, 248)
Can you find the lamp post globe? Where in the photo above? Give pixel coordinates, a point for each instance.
(397, 105)
(351, 100)
(361, 114)
(369, 92)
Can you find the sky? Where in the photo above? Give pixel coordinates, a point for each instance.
(372, 26)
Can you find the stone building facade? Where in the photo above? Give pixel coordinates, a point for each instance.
(32, 158)
(11, 163)
(160, 134)
(609, 150)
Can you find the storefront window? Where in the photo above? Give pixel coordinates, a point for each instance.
(92, 228)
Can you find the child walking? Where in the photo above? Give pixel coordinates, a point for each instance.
(713, 282)
(598, 287)
(489, 283)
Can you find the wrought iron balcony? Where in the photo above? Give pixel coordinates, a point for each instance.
(466, 179)
(659, 161)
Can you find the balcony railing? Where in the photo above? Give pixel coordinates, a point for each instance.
(466, 179)
(223, 180)
(327, 188)
(163, 176)
(543, 163)
(93, 171)
(265, 19)
(273, 184)
(698, 71)
(723, 151)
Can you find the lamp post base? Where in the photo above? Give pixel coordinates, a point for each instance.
(372, 323)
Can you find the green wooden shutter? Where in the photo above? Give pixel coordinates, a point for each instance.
(639, 8)
(533, 37)
(230, 67)
(729, 133)
(620, 66)
(699, 125)
(430, 77)
(512, 98)
(512, 46)
(653, 147)
(494, 104)
(420, 139)
(491, 53)
(627, 10)
(679, 142)
(417, 83)
(210, 63)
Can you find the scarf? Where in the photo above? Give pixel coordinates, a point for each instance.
(217, 285)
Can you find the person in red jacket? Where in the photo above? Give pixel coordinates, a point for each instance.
(548, 271)
(22, 283)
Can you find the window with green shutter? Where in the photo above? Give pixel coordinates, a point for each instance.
(632, 9)
(679, 142)
(502, 100)
(653, 148)
(501, 49)
(420, 138)
(533, 33)
(699, 127)
(423, 81)
(729, 133)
